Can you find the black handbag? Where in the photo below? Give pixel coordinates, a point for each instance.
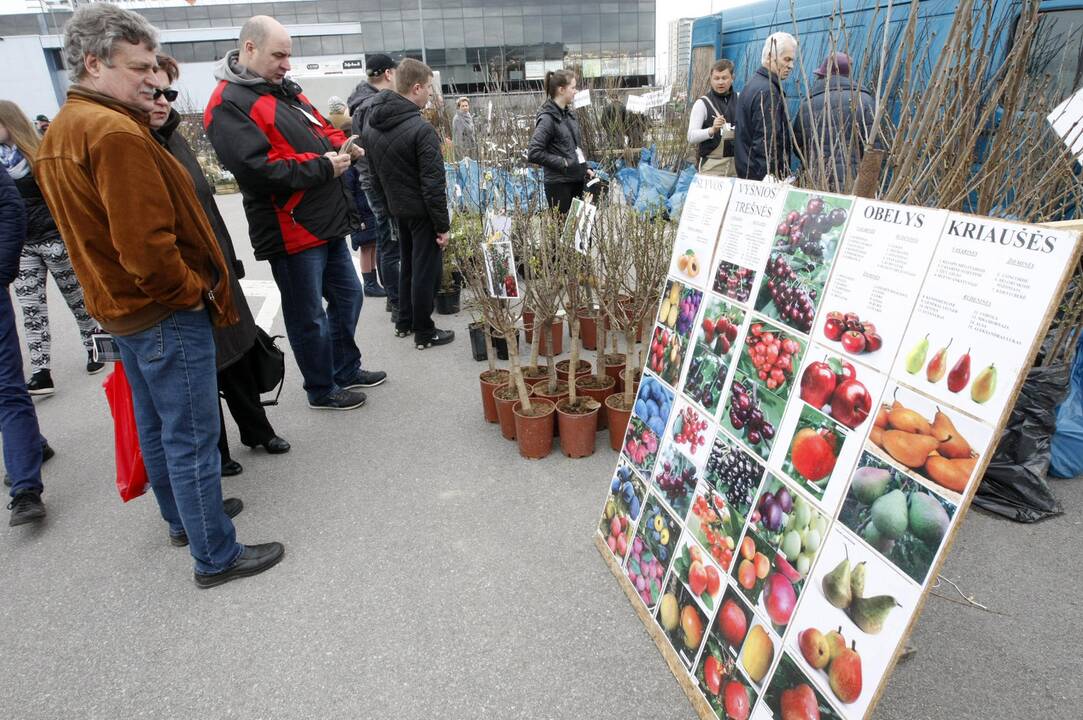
(270, 365)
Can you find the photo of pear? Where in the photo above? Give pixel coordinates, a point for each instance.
(915, 359)
(844, 588)
(898, 517)
(938, 366)
(938, 450)
(984, 385)
(960, 373)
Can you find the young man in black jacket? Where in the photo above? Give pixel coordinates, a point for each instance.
(24, 447)
(407, 167)
(287, 160)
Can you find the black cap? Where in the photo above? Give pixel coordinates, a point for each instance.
(42, 118)
(378, 64)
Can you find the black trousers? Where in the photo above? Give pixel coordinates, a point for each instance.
(420, 266)
(560, 195)
(237, 385)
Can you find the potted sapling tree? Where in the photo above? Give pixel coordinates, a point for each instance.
(634, 262)
(577, 415)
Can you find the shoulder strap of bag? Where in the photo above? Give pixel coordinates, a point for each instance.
(710, 104)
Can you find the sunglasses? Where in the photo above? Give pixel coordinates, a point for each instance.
(170, 94)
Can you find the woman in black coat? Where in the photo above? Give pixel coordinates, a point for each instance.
(556, 144)
(236, 345)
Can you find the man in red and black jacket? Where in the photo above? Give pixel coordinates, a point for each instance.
(286, 159)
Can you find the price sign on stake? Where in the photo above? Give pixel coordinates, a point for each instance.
(792, 479)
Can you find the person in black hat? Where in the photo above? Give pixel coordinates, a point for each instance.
(380, 71)
(834, 124)
(41, 123)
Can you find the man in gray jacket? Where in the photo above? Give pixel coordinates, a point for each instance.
(380, 70)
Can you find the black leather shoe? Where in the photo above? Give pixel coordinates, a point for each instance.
(231, 468)
(276, 446)
(254, 559)
(232, 506)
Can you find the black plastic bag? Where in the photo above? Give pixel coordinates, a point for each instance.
(1014, 484)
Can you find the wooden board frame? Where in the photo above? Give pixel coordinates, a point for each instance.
(684, 679)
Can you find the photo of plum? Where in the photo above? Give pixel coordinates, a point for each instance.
(856, 336)
(651, 552)
(757, 653)
(622, 510)
(726, 688)
(647, 426)
(678, 308)
(751, 414)
(832, 386)
(733, 473)
(791, 695)
(806, 241)
(733, 281)
(666, 354)
(814, 450)
(902, 519)
(684, 623)
(675, 478)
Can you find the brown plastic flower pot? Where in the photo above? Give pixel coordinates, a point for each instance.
(597, 392)
(578, 427)
(541, 390)
(552, 343)
(532, 374)
(534, 431)
(563, 365)
(614, 366)
(506, 396)
(588, 328)
(490, 380)
(618, 418)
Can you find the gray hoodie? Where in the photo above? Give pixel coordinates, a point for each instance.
(230, 69)
(359, 103)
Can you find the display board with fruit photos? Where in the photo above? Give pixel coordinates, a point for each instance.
(820, 398)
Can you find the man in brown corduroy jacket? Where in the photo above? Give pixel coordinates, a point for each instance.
(152, 275)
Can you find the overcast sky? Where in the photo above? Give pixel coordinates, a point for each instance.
(666, 10)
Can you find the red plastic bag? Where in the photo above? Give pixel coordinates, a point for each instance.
(131, 473)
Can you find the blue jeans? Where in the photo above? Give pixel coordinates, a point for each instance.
(175, 395)
(322, 340)
(18, 420)
(387, 246)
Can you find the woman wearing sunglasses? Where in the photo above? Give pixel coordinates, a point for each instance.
(43, 253)
(236, 345)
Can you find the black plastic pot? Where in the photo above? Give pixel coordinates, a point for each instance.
(477, 344)
(447, 302)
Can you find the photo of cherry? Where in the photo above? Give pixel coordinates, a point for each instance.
(805, 244)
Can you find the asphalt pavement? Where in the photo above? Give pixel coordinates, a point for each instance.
(429, 572)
